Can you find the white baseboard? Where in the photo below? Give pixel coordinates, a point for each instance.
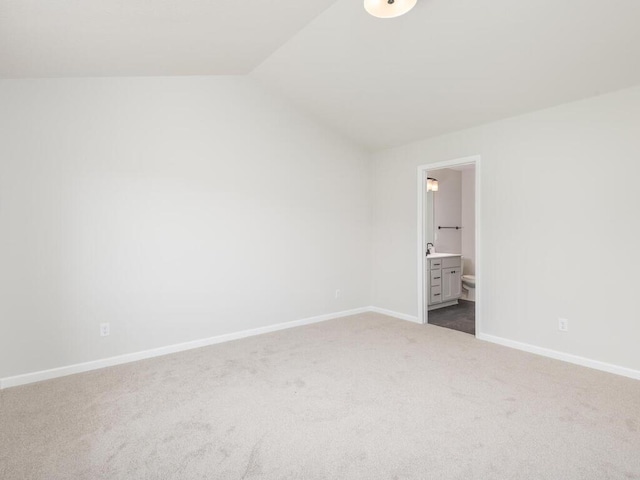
(156, 352)
(567, 357)
(391, 313)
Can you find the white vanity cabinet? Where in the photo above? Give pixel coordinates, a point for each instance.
(444, 276)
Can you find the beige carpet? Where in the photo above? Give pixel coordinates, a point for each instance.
(365, 397)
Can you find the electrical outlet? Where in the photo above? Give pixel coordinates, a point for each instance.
(563, 324)
(338, 293)
(104, 329)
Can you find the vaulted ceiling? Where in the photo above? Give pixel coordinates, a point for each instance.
(61, 38)
(447, 65)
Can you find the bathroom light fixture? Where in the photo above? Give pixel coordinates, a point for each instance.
(388, 8)
(432, 184)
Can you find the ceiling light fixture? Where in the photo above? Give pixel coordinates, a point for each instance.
(432, 184)
(388, 8)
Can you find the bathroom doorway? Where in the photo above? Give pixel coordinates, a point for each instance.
(448, 239)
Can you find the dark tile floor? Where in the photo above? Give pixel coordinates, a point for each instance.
(461, 317)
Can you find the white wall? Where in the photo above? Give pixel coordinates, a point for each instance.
(557, 238)
(447, 210)
(468, 218)
(173, 208)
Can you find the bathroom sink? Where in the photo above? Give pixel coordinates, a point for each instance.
(443, 255)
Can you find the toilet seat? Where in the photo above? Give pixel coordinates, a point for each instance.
(469, 280)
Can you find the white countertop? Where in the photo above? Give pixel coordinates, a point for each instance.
(444, 255)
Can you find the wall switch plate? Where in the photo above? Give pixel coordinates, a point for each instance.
(104, 329)
(338, 293)
(563, 324)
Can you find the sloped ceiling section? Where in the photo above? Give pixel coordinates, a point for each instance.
(452, 64)
(446, 65)
(68, 38)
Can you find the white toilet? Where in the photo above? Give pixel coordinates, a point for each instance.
(469, 286)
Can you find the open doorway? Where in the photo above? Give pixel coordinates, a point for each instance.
(448, 195)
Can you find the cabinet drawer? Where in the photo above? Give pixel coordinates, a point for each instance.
(436, 278)
(436, 294)
(435, 264)
(451, 262)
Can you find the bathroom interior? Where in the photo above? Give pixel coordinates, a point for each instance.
(450, 217)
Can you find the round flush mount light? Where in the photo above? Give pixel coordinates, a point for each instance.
(388, 8)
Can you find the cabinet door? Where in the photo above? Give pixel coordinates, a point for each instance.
(451, 284)
(456, 283)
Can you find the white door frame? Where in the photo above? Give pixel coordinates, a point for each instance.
(422, 244)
